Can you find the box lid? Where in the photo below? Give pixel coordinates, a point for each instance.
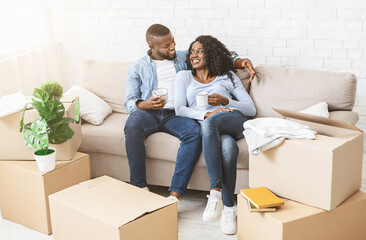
(316, 119)
(110, 201)
(293, 211)
(31, 166)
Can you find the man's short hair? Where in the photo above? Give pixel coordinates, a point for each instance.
(156, 30)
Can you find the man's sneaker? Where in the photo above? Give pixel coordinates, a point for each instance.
(228, 220)
(214, 207)
(175, 199)
(145, 188)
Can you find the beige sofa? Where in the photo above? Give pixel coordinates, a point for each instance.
(274, 86)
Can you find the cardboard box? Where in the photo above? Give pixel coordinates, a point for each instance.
(302, 222)
(321, 172)
(106, 208)
(24, 189)
(12, 145)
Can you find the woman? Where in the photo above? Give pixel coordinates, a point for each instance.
(211, 69)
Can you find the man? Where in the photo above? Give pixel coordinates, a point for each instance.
(149, 114)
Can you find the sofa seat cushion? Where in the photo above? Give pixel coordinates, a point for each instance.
(105, 138)
(109, 138)
(296, 89)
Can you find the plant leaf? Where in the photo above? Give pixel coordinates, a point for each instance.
(61, 133)
(77, 111)
(36, 136)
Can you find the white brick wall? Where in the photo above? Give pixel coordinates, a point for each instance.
(317, 34)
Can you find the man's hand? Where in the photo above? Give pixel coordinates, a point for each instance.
(246, 63)
(217, 99)
(217, 111)
(152, 103)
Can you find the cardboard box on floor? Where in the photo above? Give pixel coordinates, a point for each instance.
(298, 221)
(12, 145)
(106, 208)
(24, 189)
(321, 172)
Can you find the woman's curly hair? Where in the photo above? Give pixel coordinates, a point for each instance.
(218, 57)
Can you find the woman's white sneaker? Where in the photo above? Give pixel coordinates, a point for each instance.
(228, 220)
(214, 207)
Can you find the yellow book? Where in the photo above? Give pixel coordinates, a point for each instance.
(261, 197)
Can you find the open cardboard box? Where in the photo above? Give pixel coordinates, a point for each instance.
(321, 172)
(298, 221)
(12, 145)
(24, 189)
(106, 208)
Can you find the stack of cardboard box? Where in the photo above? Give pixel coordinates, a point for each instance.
(24, 189)
(319, 179)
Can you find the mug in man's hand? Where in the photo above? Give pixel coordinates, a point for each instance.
(161, 92)
(202, 99)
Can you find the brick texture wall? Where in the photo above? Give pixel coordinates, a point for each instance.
(316, 34)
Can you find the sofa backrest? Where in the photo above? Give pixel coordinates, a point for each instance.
(297, 89)
(107, 80)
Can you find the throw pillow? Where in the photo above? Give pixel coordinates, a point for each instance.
(92, 108)
(320, 109)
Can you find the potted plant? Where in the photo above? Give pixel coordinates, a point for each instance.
(54, 89)
(50, 127)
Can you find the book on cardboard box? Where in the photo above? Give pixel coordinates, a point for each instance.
(261, 197)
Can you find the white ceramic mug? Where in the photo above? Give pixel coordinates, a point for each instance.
(161, 92)
(202, 99)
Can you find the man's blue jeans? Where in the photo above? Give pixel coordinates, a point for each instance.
(141, 124)
(219, 135)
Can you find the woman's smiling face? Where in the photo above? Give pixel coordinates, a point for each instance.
(197, 56)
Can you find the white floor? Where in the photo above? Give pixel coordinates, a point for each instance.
(189, 219)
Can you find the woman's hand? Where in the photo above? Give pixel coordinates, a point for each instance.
(216, 99)
(217, 111)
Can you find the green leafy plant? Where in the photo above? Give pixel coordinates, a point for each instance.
(50, 126)
(53, 88)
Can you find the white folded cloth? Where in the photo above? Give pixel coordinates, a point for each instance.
(264, 133)
(12, 103)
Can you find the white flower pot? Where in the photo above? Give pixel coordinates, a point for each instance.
(46, 163)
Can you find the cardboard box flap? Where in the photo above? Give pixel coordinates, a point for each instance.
(111, 201)
(316, 119)
(292, 210)
(29, 166)
(136, 196)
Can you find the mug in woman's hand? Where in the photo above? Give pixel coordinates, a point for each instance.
(202, 99)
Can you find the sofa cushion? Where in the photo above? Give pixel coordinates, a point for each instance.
(92, 108)
(107, 80)
(296, 89)
(105, 138)
(109, 138)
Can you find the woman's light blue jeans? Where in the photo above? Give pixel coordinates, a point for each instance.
(219, 135)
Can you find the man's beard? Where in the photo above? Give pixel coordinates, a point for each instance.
(167, 56)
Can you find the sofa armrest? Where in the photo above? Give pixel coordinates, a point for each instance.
(346, 116)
